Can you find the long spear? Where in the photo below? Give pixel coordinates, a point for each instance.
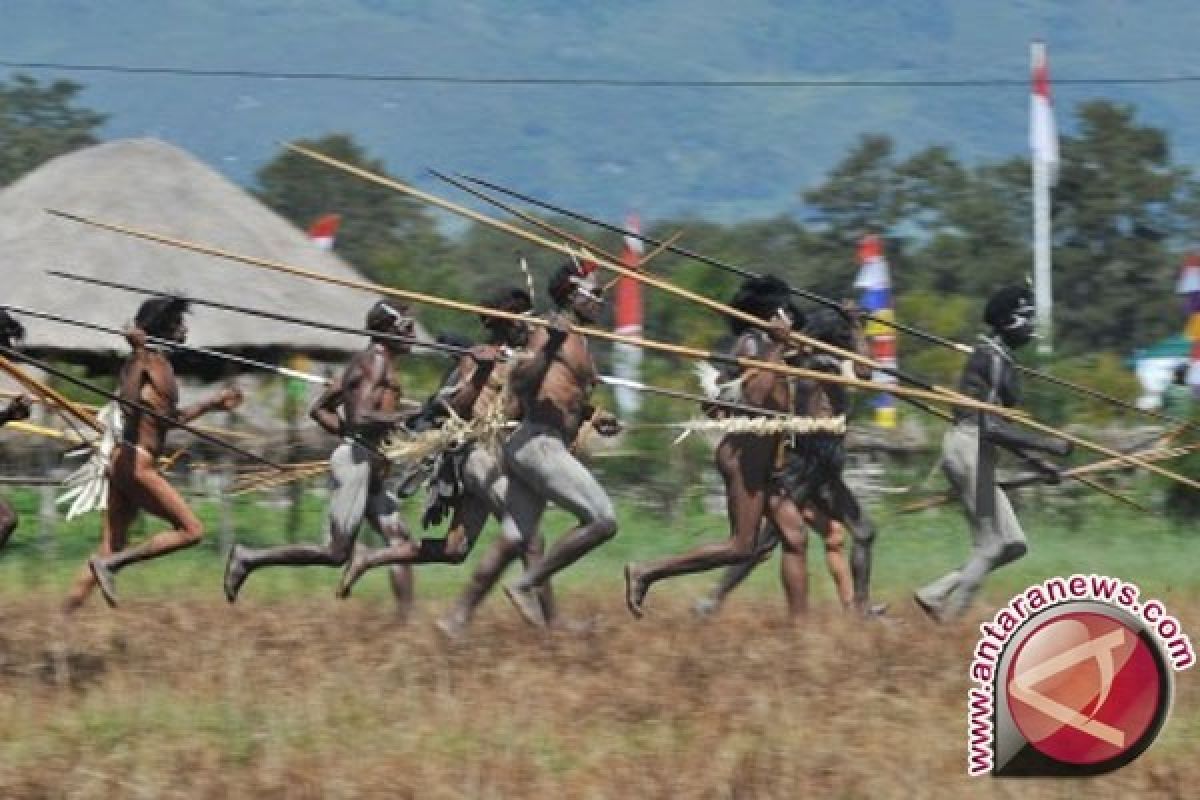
(70, 411)
(137, 406)
(680, 350)
(931, 392)
(254, 312)
(439, 346)
(531, 219)
(166, 343)
(1076, 473)
(816, 298)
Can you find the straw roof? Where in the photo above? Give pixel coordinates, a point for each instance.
(149, 184)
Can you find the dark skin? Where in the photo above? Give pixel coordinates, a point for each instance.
(824, 497)
(554, 386)
(369, 398)
(18, 409)
(135, 483)
(745, 463)
(482, 375)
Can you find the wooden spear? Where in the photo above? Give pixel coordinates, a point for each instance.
(946, 397)
(935, 393)
(813, 296)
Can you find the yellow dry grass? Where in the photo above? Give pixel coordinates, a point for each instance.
(309, 698)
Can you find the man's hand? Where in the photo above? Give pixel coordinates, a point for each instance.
(1061, 447)
(1051, 472)
(228, 399)
(485, 354)
(559, 327)
(605, 424)
(780, 329)
(19, 408)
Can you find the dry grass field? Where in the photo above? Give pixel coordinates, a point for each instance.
(309, 698)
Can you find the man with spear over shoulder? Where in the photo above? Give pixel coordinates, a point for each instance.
(361, 407)
(18, 409)
(969, 454)
(146, 381)
(554, 385)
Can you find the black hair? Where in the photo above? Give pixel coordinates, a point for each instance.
(1003, 304)
(761, 296)
(159, 315)
(832, 326)
(509, 298)
(563, 283)
(11, 330)
(382, 315)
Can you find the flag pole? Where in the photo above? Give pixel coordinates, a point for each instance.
(1044, 146)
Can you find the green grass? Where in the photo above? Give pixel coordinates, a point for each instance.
(1096, 536)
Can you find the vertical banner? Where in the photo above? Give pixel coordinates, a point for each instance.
(627, 359)
(1043, 145)
(876, 285)
(1189, 288)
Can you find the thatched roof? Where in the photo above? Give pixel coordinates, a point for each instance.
(146, 183)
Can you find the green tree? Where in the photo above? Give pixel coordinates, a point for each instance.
(1115, 207)
(38, 123)
(374, 218)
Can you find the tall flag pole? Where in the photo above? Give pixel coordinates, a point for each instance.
(1189, 287)
(324, 230)
(876, 284)
(1043, 143)
(627, 359)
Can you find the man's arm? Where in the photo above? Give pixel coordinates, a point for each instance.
(993, 370)
(227, 399)
(323, 410)
(531, 370)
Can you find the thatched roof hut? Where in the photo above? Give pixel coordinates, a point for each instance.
(149, 184)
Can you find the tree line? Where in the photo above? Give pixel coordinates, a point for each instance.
(1123, 213)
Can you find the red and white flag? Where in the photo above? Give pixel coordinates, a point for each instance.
(1043, 134)
(324, 230)
(627, 359)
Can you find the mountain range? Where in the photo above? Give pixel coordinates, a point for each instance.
(719, 152)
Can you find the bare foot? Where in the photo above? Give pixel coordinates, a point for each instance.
(104, 580)
(453, 626)
(706, 607)
(635, 590)
(931, 611)
(235, 573)
(355, 568)
(527, 603)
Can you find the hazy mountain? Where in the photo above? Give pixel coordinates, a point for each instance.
(723, 153)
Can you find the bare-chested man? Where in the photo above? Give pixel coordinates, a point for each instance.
(809, 482)
(367, 396)
(554, 385)
(475, 483)
(135, 482)
(11, 332)
(745, 461)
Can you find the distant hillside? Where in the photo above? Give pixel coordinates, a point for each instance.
(718, 153)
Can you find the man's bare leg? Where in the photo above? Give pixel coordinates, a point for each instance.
(119, 514)
(788, 519)
(155, 495)
(744, 463)
(8, 521)
(732, 576)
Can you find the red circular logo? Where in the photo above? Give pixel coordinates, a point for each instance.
(1085, 688)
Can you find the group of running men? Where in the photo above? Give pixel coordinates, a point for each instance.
(540, 379)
